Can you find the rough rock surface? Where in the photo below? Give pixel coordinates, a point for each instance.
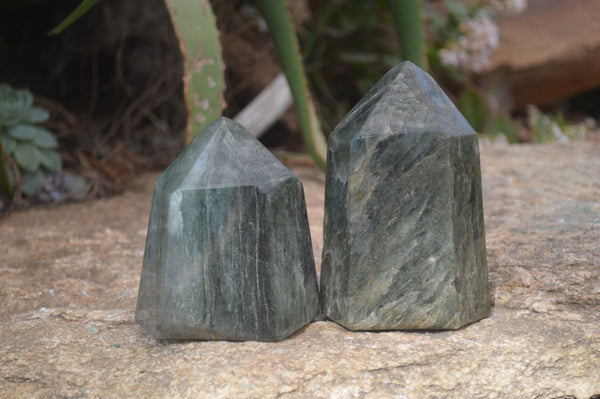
(70, 276)
(404, 243)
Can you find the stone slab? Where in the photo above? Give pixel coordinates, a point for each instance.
(69, 291)
(551, 51)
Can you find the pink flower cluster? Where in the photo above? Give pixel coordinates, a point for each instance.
(478, 37)
(472, 50)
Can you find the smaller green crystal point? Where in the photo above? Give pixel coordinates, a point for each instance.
(404, 241)
(228, 251)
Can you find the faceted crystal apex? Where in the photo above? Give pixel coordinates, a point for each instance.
(224, 154)
(405, 100)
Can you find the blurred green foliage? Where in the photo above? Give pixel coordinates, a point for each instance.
(347, 48)
(330, 62)
(31, 146)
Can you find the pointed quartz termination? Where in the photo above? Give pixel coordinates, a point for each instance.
(404, 242)
(228, 252)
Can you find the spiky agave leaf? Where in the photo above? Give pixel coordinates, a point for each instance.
(286, 43)
(196, 30)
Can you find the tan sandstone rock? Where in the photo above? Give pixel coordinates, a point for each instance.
(552, 50)
(70, 277)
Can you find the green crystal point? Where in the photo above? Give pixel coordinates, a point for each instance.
(404, 241)
(228, 251)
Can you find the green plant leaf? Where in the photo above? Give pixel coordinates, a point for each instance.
(15, 106)
(474, 108)
(542, 128)
(286, 43)
(32, 182)
(22, 132)
(195, 27)
(6, 185)
(11, 178)
(39, 136)
(27, 157)
(77, 13)
(51, 160)
(502, 124)
(38, 115)
(44, 139)
(409, 27)
(8, 143)
(456, 9)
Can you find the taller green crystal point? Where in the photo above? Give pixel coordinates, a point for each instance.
(228, 251)
(404, 241)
